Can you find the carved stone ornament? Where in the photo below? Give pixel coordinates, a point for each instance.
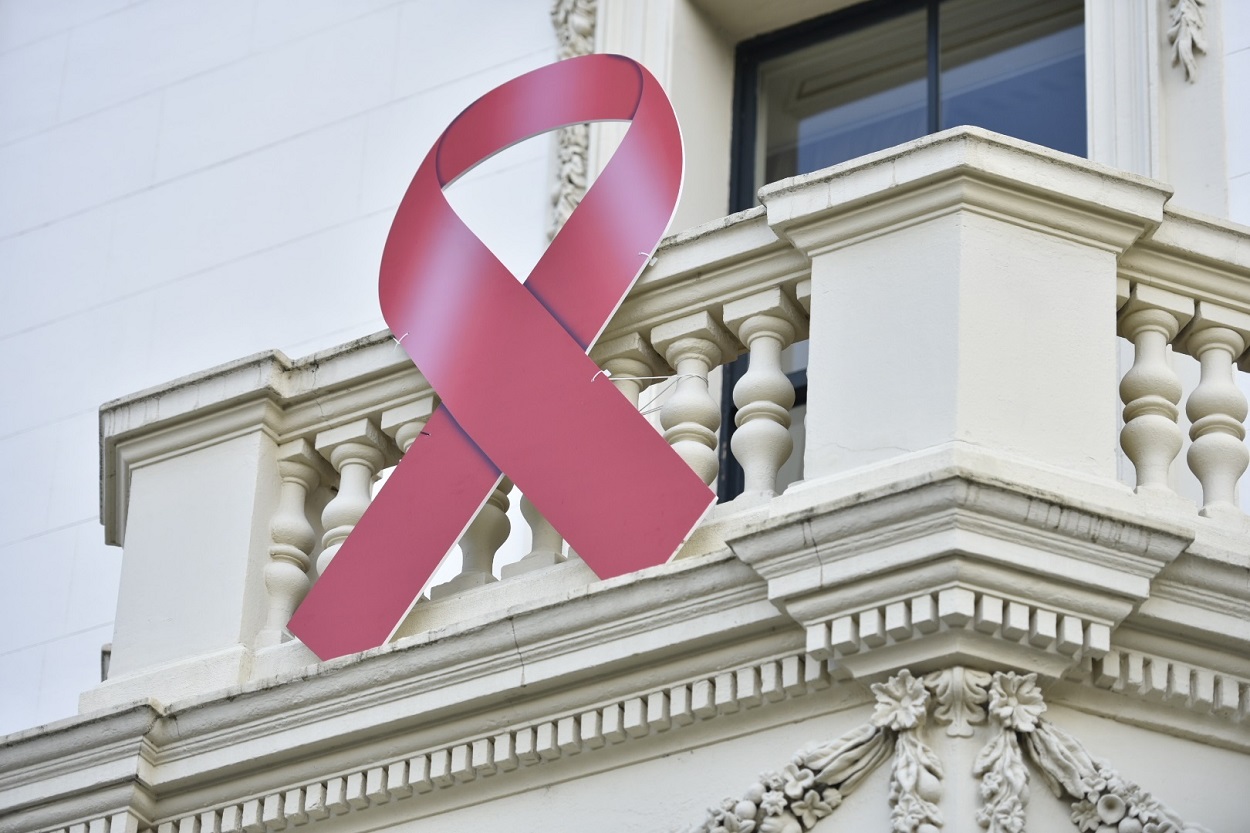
(960, 695)
(818, 778)
(574, 21)
(1186, 22)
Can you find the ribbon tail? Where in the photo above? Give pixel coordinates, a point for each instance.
(376, 576)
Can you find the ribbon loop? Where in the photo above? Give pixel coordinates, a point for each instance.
(509, 360)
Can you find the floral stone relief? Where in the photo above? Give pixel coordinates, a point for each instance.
(818, 778)
(1186, 34)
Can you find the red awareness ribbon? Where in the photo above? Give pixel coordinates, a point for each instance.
(519, 394)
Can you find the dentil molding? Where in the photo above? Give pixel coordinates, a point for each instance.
(957, 564)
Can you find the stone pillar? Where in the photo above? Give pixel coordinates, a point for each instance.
(963, 290)
(197, 537)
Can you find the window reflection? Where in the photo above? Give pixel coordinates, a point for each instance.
(1015, 68)
(1011, 66)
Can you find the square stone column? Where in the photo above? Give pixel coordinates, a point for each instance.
(215, 484)
(190, 487)
(963, 290)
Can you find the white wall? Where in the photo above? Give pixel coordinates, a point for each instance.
(1236, 15)
(184, 182)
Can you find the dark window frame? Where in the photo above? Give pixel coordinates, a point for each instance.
(749, 54)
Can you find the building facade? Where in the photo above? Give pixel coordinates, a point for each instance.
(982, 559)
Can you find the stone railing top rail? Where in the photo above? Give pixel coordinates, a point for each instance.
(288, 397)
(1200, 257)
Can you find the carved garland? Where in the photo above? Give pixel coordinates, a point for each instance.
(817, 778)
(574, 21)
(1186, 24)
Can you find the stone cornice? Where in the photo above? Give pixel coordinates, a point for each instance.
(610, 638)
(544, 658)
(1154, 691)
(964, 168)
(961, 561)
(1203, 601)
(79, 769)
(410, 780)
(517, 746)
(404, 721)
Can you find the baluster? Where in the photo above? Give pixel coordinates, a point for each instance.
(765, 323)
(693, 345)
(403, 423)
(546, 545)
(356, 452)
(629, 359)
(1217, 407)
(483, 538)
(1151, 390)
(302, 469)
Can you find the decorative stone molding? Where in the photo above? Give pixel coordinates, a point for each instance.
(807, 789)
(965, 171)
(1103, 801)
(956, 564)
(1159, 679)
(958, 609)
(659, 710)
(574, 21)
(816, 780)
(1186, 34)
(120, 822)
(959, 698)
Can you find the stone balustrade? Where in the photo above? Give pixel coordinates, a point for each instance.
(1187, 288)
(959, 293)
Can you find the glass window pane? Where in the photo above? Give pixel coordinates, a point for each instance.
(847, 96)
(1016, 67)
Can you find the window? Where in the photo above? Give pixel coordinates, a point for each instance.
(885, 72)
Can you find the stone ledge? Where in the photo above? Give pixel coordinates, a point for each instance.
(965, 167)
(959, 553)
